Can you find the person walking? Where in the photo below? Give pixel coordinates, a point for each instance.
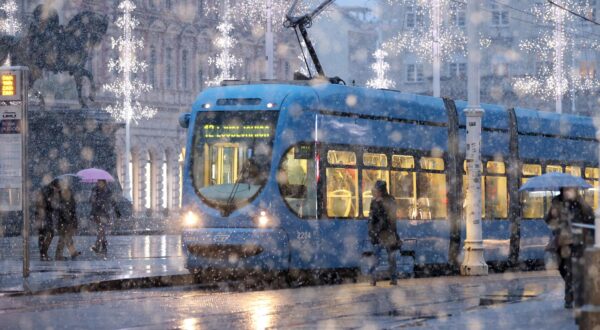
(569, 242)
(382, 230)
(103, 206)
(45, 215)
(67, 223)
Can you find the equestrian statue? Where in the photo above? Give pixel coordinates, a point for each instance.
(49, 46)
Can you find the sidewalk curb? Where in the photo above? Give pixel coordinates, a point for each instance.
(112, 285)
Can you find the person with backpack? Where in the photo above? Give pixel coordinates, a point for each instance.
(382, 230)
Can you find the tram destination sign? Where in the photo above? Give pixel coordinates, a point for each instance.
(241, 131)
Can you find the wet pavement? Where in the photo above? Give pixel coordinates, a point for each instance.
(499, 301)
(520, 301)
(128, 257)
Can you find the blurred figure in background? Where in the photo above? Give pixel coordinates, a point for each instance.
(103, 207)
(569, 242)
(45, 216)
(67, 222)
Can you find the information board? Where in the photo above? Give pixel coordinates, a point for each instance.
(11, 157)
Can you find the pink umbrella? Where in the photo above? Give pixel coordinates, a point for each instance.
(92, 175)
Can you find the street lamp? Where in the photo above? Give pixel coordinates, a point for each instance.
(474, 261)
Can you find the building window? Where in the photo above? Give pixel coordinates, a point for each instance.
(499, 16)
(152, 67)
(148, 182)
(201, 79)
(414, 72)
(457, 15)
(414, 17)
(184, 69)
(457, 70)
(587, 70)
(165, 182)
(169, 68)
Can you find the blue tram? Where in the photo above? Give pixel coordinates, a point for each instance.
(277, 176)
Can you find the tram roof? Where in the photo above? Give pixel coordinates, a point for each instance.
(391, 104)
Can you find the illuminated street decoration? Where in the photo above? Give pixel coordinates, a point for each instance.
(380, 68)
(224, 61)
(552, 80)
(125, 88)
(10, 24)
(432, 39)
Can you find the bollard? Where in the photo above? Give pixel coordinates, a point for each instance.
(590, 312)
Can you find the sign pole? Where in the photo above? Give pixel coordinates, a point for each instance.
(13, 149)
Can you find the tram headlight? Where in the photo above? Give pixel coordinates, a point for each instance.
(191, 219)
(263, 219)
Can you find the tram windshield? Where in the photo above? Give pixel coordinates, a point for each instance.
(231, 156)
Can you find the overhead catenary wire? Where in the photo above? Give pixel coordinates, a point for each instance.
(573, 12)
(580, 34)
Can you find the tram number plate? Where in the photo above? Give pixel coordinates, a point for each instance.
(303, 235)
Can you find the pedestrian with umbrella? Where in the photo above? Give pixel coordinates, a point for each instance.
(568, 242)
(103, 205)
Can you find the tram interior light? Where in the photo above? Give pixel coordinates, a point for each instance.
(191, 219)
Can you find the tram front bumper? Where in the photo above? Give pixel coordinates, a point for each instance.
(236, 248)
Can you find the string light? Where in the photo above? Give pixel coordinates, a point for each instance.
(380, 68)
(10, 25)
(552, 81)
(224, 61)
(126, 89)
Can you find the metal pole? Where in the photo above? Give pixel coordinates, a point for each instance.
(25, 176)
(558, 58)
(269, 39)
(436, 22)
(127, 184)
(473, 262)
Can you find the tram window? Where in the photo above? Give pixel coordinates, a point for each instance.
(573, 170)
(369, 177)
(404, 189)
(592, 173)
(342, 192)
(495, 167)
(554, 169)
(378, 160)
(591, 195)
(496, 197)
(431, 163)
(341, 157)
(533, 202)
(297, 183)
(431, 195)
(402, 161)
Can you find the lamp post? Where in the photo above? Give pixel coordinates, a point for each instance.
(269, 39)
(473, 262)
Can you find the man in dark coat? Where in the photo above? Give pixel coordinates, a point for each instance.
(103, 207)
(45, 214)
(569, 242)
(382, 230)
(67, 223)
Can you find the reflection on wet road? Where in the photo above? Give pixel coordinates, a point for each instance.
(530, 299)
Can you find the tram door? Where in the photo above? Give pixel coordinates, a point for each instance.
(224, 163)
